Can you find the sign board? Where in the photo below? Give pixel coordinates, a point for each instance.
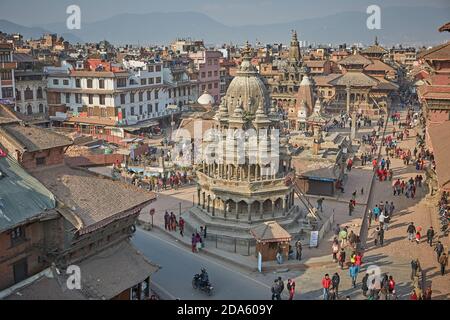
(259, 262)
(314, 239)
(152, 212)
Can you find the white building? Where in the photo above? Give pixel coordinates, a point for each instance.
(115, 97)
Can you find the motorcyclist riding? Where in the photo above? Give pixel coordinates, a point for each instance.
(204, 279)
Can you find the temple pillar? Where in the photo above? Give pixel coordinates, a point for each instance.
(273, 209)
(237, 210)
(204, 200)
(208, 203)
(249, 208)
(198, 197)
(261, 209)
(214, 207)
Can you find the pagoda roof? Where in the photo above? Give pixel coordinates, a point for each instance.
(374, 49)
(355, 59)
(441, 52)
(354, 79)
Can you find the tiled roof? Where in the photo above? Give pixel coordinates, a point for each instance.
(355, 79)
(325, 80)
(32, 138)
(270, 231)
(355, 59)
(374, 49)
(378, 65)
(441, 52)
(103, 276)
(22, 196)
(93, 199)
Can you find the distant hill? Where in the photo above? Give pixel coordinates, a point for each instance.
(406, 25)
(33, 32)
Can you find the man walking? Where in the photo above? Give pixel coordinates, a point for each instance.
(181, 225)
(439, 248)
(298, 247)
(166, 220)
(335, 280)
(430, 236)
(353, 272)
(320, 204)
(411, 230)
(342, 258)
(443, 261)
(326, 283)
(415, 268)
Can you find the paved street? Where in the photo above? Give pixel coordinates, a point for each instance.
(179, 266)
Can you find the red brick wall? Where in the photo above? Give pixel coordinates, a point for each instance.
(29, 249)
(94, 159)
(52, 157)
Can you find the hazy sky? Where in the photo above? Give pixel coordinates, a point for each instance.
(230, 12)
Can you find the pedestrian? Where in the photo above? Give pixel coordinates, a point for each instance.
(291, 287)
(298, 247)
(335, 280)
(275, 290)
(439, 248)
(194, 243)
(342, 258)
(335, 250)
(376, 212)
(418, 236)
(320, 204)
(364, 284)
(326, 283)
(279, 255)
(337, 230)
(166, 221)
(181, 226)
(370, 217)
(411, 230)
(443, 261)
(391, 285)
(415, 268)
(353, 272)
(430, 236)
(351, 208)
(343, 237)
(427, 294)
(332, 293)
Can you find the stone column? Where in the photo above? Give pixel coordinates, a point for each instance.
(237, 210)
(249, 212)
(273, 209)
(347, 89)
(208, 202)
(204, 200)
(198, 197)
(285, 204)
(214, 207)
(224, 209)
(249, 172)
(261, 209)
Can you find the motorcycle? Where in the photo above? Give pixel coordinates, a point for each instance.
(196, 284)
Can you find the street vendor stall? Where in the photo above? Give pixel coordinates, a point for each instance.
(270, 238)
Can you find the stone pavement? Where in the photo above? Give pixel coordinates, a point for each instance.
(397, 249)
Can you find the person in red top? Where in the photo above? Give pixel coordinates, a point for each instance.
(358, 259)
(326, 283)
(391, 284)
(374, 164)
(291, 288)
(181, 226)
(413, 296)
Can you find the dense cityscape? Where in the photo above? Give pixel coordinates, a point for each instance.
(246, 171)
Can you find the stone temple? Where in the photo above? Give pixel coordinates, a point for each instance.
(242, 191)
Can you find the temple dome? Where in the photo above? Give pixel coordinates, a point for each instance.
(247, 88)
(206, 99)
